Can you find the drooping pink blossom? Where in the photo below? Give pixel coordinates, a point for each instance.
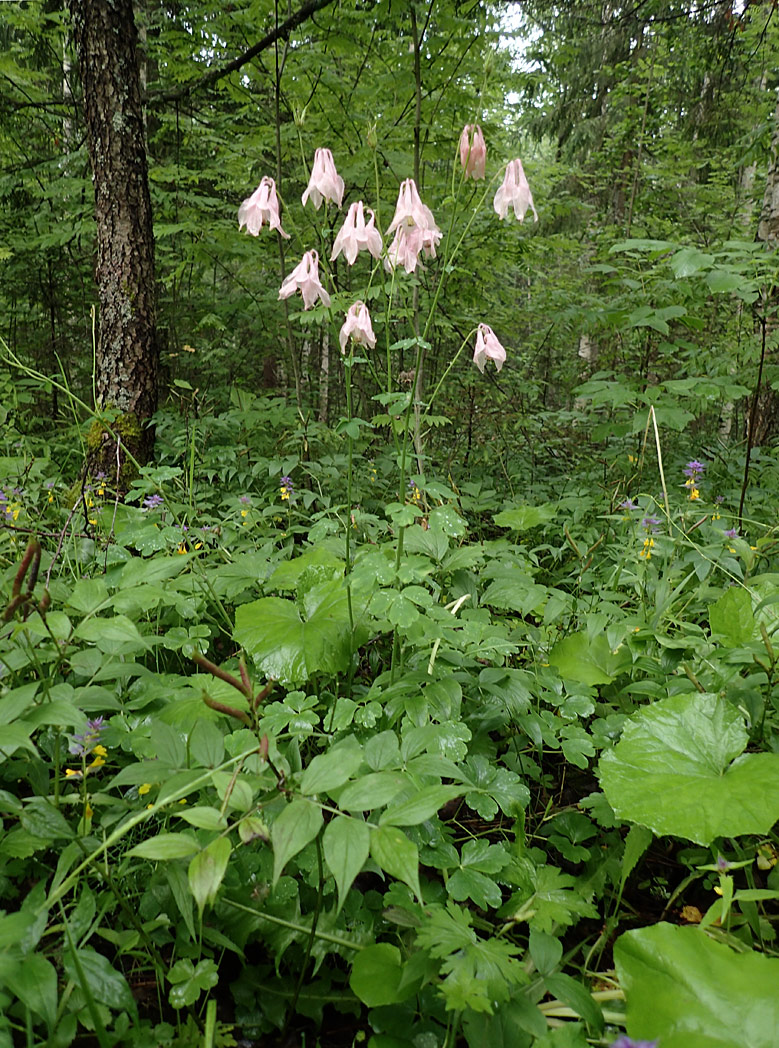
(414, 227)
(305, 278)
(261, 206)
(488, 348)
(515, 192)
(325, 182)
(473, 151)
(358, 327)
(356, 235)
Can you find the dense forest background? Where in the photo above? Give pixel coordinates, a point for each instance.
(357, 685)
(642, 123)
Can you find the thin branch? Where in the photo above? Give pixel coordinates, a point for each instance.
(280, 32)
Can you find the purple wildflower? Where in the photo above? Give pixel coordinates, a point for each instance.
(245, 498)
(623, 1041)
(694, 469)
(627, 504)
(719, 499)
(731, 533)
(722, 864)
(650, 523)
(153, 501)
(100, 476)
(287, 482)
(85, 743)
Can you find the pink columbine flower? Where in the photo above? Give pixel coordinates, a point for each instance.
(356, 235)
(261, 206)
(325, 182)
(488, 348)
(358, 327)
(305, 278)
(515, 192)
(414, 227)
(473, 151)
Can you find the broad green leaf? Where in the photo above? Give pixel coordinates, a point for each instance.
(372, 791)
(523, 518)
(692, 992)
(397, 856)
(292, 644)
(115, 636)
(207, 870)
(328, 771)
(104, 982)
(722, 280)
(293, 829)
(312, 568)
(420, 807)
(689, 260)
(203, 817)
(376, 974)
(165, 846)
(34, 981)
(588, 660)
(672, 771)
(346, 845)
(731, 617)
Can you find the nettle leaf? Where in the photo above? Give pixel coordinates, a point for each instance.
(674, 771)
(294, 828)
(692, 992)
(346, 845)
(292, 641)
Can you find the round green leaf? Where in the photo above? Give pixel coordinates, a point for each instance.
(376, 974)
(672, 772)
(291, 644)
(692, 992)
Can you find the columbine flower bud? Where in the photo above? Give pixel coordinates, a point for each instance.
(473, 151)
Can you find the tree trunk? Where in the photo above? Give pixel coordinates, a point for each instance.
(765, 412)
(127, 348)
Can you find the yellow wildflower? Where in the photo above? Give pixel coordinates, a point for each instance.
(143, 789)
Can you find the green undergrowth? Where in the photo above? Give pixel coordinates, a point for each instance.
(505, 773)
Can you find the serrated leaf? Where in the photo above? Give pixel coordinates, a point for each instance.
(692, 992)
(674, 771)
